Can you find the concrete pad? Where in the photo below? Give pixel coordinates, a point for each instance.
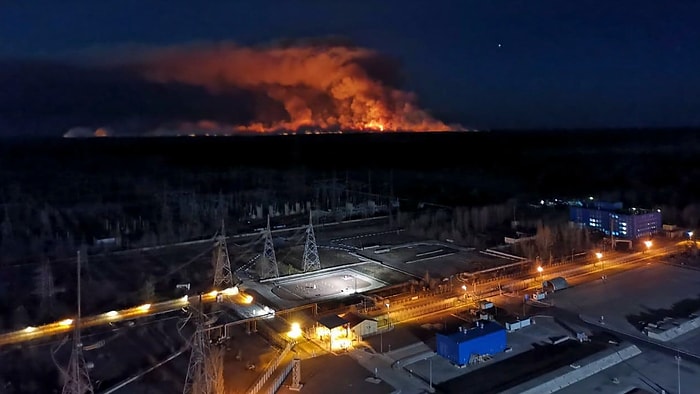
(622, 297)
(337, 375)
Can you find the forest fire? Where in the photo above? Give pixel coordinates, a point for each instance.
(327, 87)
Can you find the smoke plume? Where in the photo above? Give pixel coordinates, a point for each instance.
(318, 86)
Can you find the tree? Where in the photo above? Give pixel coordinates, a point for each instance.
(543, 240)
(44, 288)
(20, 317)
(148, 291)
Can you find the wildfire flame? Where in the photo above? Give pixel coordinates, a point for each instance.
(319, 87)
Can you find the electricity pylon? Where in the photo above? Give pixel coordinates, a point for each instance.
(223, 277)
(205, 370)
(77, 380)
(267, 263)
(310, 261)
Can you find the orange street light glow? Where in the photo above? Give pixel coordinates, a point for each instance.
(144, 307)
(647, 244)
(66, 322)
(112, 314)
(540, 269)
(295, 331)
(30, 329)
(231, 291)
(599, 255)
(213, 293)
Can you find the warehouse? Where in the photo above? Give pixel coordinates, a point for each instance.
(468, 345)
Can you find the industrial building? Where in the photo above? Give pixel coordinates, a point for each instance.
(610, 218)
(467, 346)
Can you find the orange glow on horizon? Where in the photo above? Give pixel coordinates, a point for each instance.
(306, 87)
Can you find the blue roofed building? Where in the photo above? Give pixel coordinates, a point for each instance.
(461, 347)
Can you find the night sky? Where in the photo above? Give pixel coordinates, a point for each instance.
(483, 64)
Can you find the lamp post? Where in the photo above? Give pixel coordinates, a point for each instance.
(431, 374)
(464, 287)
(601, 262)
(678, 366)
(648, 244)
(540, 270)
(388, 315)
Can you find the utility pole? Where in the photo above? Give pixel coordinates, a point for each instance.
(223, 277)
(431, 373)
(310, 261)
(77, 379)
(678, 365)
(268, 261)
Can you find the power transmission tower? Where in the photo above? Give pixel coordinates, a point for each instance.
(267, 263)
(223, 277)
(77, 380)
(310, 261)
(205, 370)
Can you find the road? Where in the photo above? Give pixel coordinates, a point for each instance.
(572, 272)
(63, 326)
(414, 308)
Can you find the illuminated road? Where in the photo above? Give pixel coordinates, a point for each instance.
(419, 308)
(63, 326)
(573, 274)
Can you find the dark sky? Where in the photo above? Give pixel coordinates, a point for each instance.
(486, 63)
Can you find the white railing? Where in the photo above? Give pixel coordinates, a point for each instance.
(271, 368)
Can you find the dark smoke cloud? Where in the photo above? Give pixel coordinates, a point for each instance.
(39, 98)
(321, 84)
(211, 88)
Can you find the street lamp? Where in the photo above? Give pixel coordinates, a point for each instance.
(678, 364)
(464, 287)
(540, 270)
(648, 244)
(388, 315)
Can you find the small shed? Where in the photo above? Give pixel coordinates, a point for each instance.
(361, 326)
(485, 338)
(334, 329)
(555, 284)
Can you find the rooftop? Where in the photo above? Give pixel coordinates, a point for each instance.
(622, 211)
(482, 327)
(355, 319)
(331, 321)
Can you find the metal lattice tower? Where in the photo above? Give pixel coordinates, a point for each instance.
(205, 370)
(223, 276)
(77, 380)
(310, 261)
(267, 263)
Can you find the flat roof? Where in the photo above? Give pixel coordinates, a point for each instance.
(622, 211)
(475, 332)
